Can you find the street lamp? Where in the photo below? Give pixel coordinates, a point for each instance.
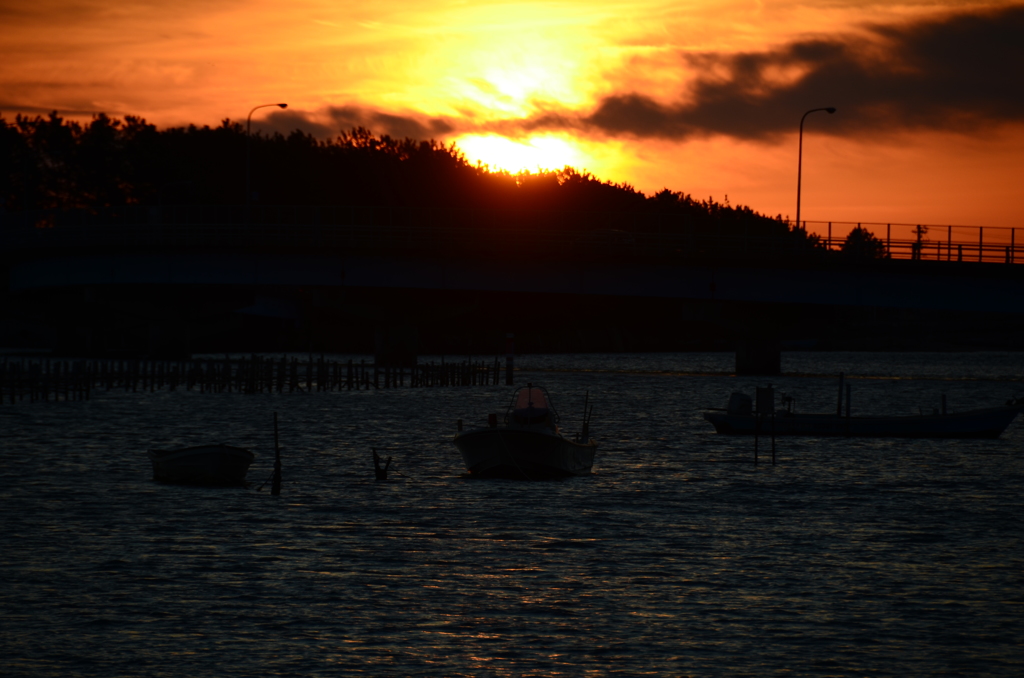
(800, 157)
(248, 149)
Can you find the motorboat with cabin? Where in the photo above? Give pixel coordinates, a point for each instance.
(741, 417)
(202, 465)
(529, 445)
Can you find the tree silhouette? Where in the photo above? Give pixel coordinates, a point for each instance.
(863, 244)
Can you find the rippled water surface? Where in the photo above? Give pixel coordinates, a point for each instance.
(676, 557)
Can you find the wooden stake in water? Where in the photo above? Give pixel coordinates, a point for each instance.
(764, 407)
(275, 488)
(847, 410)
(380, 472)
(757, 419)
(839, 406)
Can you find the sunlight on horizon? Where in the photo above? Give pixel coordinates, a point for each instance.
(537, 153)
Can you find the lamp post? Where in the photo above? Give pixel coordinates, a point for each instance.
(800, 158)
(248, 151)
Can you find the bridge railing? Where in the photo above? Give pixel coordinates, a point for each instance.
(993, 244)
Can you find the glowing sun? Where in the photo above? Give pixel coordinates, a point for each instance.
(534, 154)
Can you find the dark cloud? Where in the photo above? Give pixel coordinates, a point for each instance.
(961, 72)
(958, 72)
(62, 12)
(347, 117)
(9, 110)
(287, 121)
(344, 118)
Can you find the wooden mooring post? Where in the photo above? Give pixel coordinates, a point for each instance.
(764, 408)
(275, 487)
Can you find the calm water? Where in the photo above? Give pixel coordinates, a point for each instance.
(676, 557)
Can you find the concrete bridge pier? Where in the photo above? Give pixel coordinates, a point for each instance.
(759, 355)
(395, 345)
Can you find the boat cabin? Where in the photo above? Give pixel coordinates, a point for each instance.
(531, 407)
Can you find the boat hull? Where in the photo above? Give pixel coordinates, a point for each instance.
(523, 454)
(987, 423)
(202, 465)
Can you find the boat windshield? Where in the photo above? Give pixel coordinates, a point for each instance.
(531, 397)
(531, 406)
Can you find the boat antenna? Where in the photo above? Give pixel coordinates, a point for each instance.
(275, 476)
(586, 424)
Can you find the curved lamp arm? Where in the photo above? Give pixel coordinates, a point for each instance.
(248, 151)
(248, 118)
(800, 156)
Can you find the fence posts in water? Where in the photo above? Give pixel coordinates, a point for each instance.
(45, 380)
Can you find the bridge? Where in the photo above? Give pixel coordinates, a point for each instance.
(333, 272)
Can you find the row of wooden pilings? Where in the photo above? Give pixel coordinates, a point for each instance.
(53, 380)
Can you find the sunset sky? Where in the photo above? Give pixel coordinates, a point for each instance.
(696, 96)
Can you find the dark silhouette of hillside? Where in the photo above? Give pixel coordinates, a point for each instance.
(53, 163)
(124, 190)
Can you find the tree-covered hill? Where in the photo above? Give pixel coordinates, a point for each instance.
(53, 163)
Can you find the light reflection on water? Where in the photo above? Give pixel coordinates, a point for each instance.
(677, 556)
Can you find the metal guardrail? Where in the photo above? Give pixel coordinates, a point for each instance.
(992, 244)
(421, 230)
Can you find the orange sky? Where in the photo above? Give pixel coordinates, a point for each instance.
(697, 96)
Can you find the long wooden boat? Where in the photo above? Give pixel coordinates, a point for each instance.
(202, 465)
(530, 445)
(983, 423)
